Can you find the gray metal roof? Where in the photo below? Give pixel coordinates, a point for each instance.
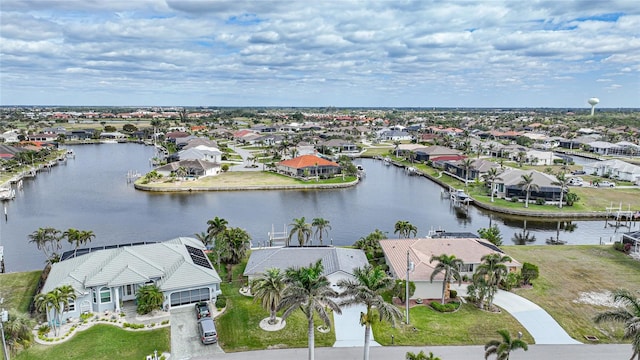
(333, 259)
(167, 261)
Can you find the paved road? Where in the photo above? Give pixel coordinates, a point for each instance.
(536, 352)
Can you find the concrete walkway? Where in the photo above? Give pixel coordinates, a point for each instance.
(543, 328)
(349, 332)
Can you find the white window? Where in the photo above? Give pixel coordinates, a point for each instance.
(71, 306)
(105, 295)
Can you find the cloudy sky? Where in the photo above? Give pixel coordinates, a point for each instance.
(320, 53)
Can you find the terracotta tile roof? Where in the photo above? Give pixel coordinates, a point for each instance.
(304, 161)
(421, 250)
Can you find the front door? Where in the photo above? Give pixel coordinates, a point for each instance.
(129, 292)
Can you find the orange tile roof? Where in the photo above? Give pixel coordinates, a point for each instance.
(304, 161)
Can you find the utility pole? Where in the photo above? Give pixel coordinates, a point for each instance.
(4, 317)
(406, 299)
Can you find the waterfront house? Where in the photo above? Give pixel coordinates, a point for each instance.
(194, 168)
(105, 278)
(478, 168)
(508, 186)
(434, 152)
(469, 250)
(308, 165)
(339, 263)
(614, 168)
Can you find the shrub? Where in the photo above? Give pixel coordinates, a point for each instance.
(399, 290)
(540, 201)
(453, 294)
(511, 280)
(514, 199)
(448, 307)
(44, 329)
(529, 272)
(85, 316)
(221, 302)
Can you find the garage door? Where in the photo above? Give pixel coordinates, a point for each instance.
(189, 296)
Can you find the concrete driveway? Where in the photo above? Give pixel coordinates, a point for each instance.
(185, 340)
(349, 332)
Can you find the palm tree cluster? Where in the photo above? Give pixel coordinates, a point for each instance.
(18, 331)
(487, 278)
(370, 244)
(229, 244)
(48, 240)
(307, 289)
(304, 231)
(405, 229)
(54, 303)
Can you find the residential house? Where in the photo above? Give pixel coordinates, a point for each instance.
(433, 153)
(420, 251)
(43, 137)
(614, 168)
(478, 168)
(339, 146)
(508, 185)
(395, 135)
(112, 135)
(106, 277)
(339, 263)
(201, 152)
(10, 136)
(194, 168)
(308, 165)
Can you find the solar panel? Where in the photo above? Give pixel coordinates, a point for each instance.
(198, 257)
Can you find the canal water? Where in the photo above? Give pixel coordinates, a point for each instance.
(90, 192)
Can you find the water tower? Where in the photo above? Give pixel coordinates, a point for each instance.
(593, 102)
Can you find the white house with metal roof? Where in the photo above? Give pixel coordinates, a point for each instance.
(339, 263)
(106, 277)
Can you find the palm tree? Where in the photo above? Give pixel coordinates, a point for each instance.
(493, 269)
(466, 165)
(396, 145)
(148, 298)
(491, 176)
(204, 238)
(322, 226)
(521, 157)
(527, 185)
(629, 315)
(300, 228)
(78, 237)
(48, 304)
(450, 265)
(367, 290)
(310, 291)
(216, 226)
(421, 356)
(18, 331)
(48, 241)
(269, 288)
(405, 229)
(563, 182)
(503, 348)
(232, 245)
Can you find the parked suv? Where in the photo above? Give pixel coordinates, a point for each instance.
(605, 184)
(576, 181)
(207, 331)
(202, 310)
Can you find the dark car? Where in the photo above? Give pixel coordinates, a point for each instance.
(202, 310)
(578, 172)
(207, 330)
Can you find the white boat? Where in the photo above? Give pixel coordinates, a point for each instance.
(109, 141)
(460, 195)
(70, 153)
(387, 161)
(7, 193)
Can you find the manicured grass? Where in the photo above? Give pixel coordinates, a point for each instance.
(239, 329)
(18, 289)
(103, 342)
(467, 326)
(376, 151)
(568, 271)
(234, 179)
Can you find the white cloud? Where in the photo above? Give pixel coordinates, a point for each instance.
(347, 53)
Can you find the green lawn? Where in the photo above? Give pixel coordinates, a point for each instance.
(566, 272)
(103, 342)
(239, 329)
(467, 326)
(18, 289)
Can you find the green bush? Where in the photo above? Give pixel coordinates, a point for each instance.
(44, 329)
(529, 272)
(540, 201)
(514, 199)
(453, 294)
(221, 302)
(448, 307)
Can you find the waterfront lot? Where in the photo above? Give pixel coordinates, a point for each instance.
(568, 273)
